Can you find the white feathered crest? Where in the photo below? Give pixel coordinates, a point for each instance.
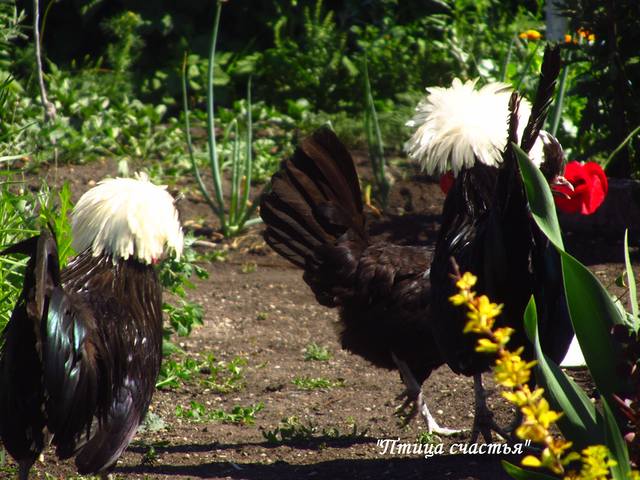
(127, 217)
(457, 125)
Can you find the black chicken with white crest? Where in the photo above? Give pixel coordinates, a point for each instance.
(488, 230)
(82, 349)
(314, 218)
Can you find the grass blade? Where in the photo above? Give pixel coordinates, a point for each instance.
(631, 281)
(609, 160)
(236, 174)
(187, 122)
(249, 155)
(374, 141)
(211, 130)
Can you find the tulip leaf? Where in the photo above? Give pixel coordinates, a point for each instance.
(616, 444)
(521, 474)
(631, 281)
(540, 198)
(593, 314)
(580, 420)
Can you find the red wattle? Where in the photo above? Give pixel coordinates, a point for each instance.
(446, 182)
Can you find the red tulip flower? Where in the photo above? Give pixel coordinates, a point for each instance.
(589, 188)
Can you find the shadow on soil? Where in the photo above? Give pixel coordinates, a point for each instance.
(450, 467)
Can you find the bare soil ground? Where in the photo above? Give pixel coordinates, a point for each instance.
(257, 307)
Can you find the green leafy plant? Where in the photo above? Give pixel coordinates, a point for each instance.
(122, 53)
(238, 216)
(96, 112)
(217, 375)
(17, 222)
(374, 141)
(608, 117)
(95, 118)
(595, 318)
(238, 414)
(308, 383)
(11, 29)
(22, 215)
(175, 372)
(150, 456)
(183, 317)
(225, 377)
(292, 430)
(311, 65)
(275, 133)
(316, 352)
(426, 438)
(197, 412)
(57, 215)
(175, 276)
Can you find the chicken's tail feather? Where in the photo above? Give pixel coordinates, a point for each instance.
(67, 373)
(509, 179)
(549, 72)
(314, 212)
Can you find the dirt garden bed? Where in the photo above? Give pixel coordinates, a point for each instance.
(258, 308)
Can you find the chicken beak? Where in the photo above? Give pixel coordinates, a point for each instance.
(560, 185)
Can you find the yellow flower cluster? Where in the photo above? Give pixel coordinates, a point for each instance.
(513, 372)
(595, 465)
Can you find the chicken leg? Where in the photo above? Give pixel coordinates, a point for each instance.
(414, 399)
(483, 421)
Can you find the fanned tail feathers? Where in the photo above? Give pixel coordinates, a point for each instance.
(315, 204)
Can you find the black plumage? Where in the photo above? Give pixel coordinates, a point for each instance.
(394, 302)
(80, 356)
(314, 218)
(488, 230)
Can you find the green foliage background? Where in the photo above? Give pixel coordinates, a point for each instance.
(114, 70)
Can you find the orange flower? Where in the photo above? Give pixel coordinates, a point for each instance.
(530, 35)
(586, 34)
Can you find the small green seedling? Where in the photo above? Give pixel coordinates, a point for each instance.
(316, 352)
(307, 383)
